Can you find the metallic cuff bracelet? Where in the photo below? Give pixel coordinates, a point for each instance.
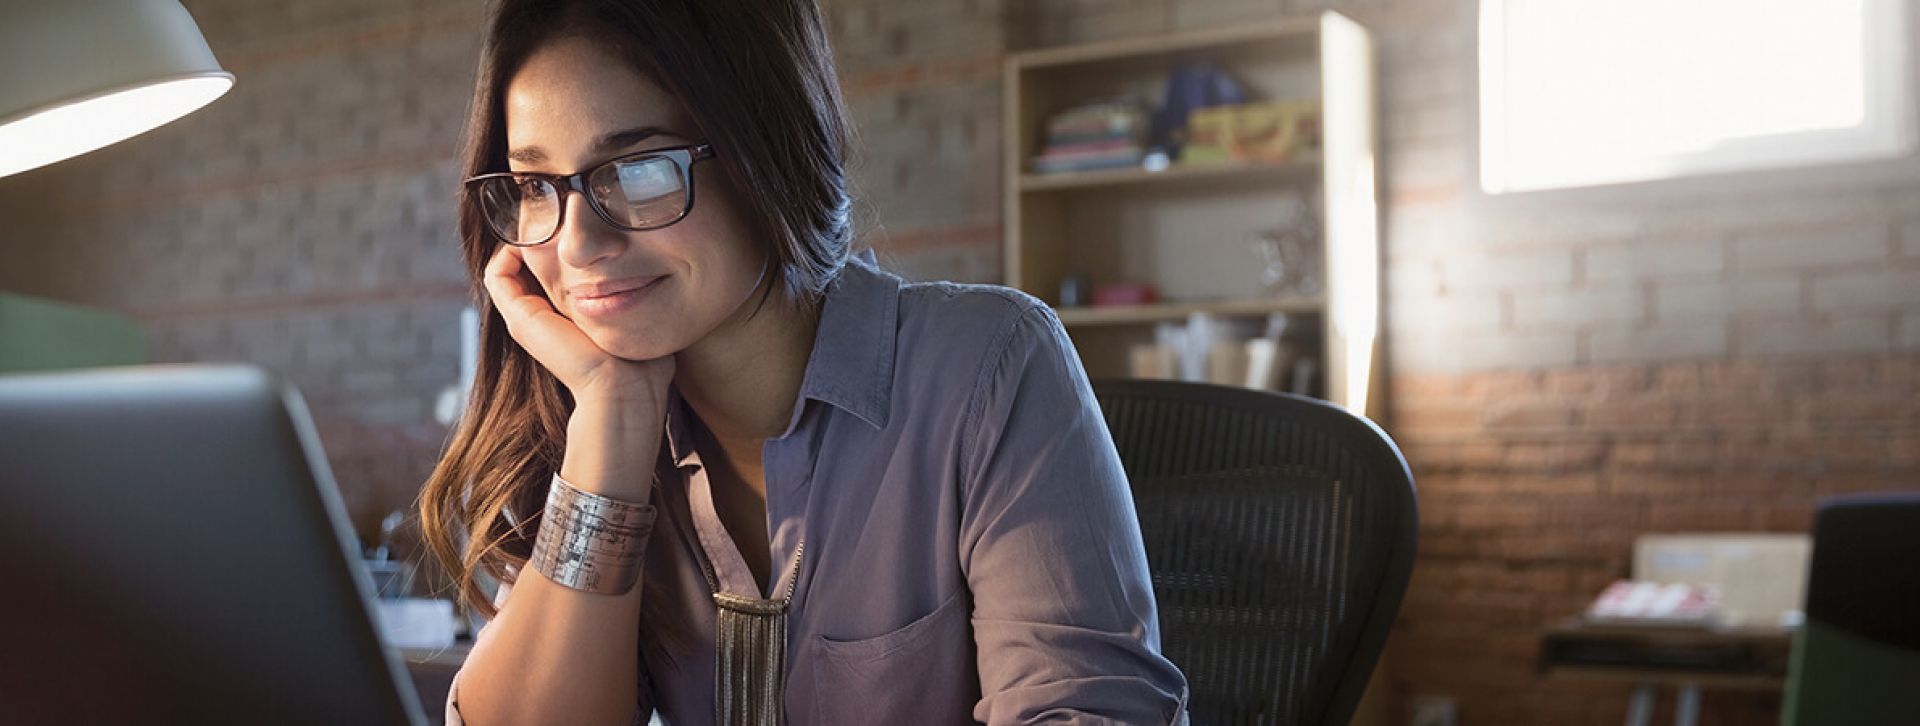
(589, 542)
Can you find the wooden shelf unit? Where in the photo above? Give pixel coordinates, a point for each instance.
(1174, 174)
(1165, 312)
(1189, 229)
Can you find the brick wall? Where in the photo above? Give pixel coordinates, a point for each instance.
(1570, 370)
(922, 81)
(1534, 483)
(303, 222)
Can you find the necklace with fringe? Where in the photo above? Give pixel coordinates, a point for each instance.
(751, 637)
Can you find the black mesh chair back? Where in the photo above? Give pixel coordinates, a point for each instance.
(1280, 532)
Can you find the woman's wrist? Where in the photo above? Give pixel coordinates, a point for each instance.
(624, 417)
(625, 385)
(611, 449)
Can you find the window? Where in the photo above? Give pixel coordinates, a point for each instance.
(1577, 93)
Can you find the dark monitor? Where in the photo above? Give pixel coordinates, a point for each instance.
(1856, 660)
(177, 553)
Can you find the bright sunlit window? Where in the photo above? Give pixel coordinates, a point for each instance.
(1578, 93)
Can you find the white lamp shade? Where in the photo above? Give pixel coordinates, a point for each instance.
(77, 75)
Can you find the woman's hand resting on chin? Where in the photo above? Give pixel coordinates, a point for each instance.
(619, 405)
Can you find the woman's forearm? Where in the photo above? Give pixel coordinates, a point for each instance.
(555, 654)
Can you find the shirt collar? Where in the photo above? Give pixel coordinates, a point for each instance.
(851, 366)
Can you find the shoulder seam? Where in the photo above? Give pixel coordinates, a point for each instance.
(996, 357)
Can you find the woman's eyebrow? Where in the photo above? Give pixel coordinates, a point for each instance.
(607, 142)
(615, 140)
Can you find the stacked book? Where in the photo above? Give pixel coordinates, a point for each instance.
(1106, 135)
(1656, 603)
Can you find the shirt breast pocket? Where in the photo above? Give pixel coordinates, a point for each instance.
(920, 673)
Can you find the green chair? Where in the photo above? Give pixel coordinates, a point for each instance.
(42, 335)
(1857, 658)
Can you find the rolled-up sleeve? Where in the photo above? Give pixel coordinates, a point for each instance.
(1063, 608)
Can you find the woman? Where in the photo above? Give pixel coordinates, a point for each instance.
(727, 472)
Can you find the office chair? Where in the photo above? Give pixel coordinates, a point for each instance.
(1280, 531)
(1857, 657)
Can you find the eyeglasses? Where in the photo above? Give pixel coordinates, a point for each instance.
(636, 192)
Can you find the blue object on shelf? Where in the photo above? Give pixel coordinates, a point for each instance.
(1193, 85)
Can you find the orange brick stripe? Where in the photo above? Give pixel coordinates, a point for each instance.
(456, 18)
(243, 185)
(973, 69)
(983, 234)
(269, 306)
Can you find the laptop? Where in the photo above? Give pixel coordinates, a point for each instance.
(177, 553)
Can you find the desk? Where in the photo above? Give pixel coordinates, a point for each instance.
(1689, 658)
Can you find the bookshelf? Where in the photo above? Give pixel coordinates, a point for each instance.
(1188, 230)
(1084, 316)
(1298, 169)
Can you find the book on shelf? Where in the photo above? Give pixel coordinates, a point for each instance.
(1116, 117)
(1104, 135)
(1094, 147)
(1119, 159)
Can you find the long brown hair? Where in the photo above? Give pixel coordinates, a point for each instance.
(757, 78)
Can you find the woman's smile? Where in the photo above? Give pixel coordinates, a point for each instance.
(606, 299)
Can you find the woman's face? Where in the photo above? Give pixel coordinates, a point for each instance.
(573, 106)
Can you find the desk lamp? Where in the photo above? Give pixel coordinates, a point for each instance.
(77, 75)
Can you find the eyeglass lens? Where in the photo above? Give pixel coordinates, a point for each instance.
(636, 193)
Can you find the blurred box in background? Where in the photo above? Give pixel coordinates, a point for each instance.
(1762, 578)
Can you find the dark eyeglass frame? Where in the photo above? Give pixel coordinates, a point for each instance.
(683, 157)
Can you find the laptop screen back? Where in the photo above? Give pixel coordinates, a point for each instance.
(178, 554)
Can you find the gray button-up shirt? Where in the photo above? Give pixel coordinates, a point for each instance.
(972, 552)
